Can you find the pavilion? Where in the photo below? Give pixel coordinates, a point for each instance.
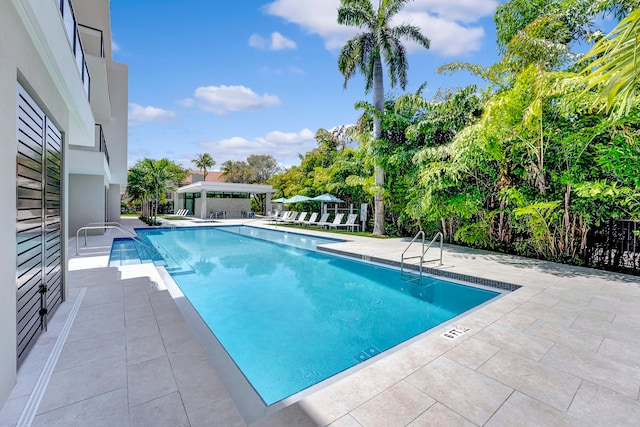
(221, 199)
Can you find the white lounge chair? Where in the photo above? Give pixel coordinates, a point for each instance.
(181, 212)
(323, 220)
(311, 220)
(301, 218)
(273, 217)
(336, 220)
(351, 223)
(287, 216)
(292, 218)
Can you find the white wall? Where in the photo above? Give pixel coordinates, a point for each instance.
(117, 129)
(113, 214)
(86, 201)
(8, 150)
(232, 207)
(35, 52)
(29, 57)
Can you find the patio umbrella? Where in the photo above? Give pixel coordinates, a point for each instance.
(297, 198)
(326, 198)
(279, 200)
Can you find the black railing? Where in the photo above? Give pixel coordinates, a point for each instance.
(102, 142)
(73, 34)
(93, 40)
(615, 246)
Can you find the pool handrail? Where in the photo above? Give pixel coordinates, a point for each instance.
(107, 225)
(421, 256)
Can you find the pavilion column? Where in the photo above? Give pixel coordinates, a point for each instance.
(203, 204)
(267, 203)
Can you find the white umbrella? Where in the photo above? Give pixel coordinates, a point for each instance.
(327, 198)
(297, 198)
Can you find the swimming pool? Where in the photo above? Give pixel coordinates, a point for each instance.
(291, 317)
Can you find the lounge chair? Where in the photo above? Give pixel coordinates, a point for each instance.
(287, 216)
(323, 220)
(292, 218)
(300, 219)
(283, 215)
(273, 216)
(336, 220)
(180, 212)
(351, 223)
(311, 220)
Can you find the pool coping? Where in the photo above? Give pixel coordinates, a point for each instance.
(505, 286)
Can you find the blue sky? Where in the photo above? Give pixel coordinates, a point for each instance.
(261, 77)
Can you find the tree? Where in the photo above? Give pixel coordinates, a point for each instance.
(150, 179)
(616, 66)
(202, 162)
(365, 52)
(234, 171)
(138, 187)
(262, 168)
(257, 169)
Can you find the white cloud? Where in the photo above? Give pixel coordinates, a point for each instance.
(257, 42)
(138, 113)
(464, 11)
(449, 24)
(223, 99)
(448, 38)
(283, 146)
(114, 46)
(278, 42)
(316, 17)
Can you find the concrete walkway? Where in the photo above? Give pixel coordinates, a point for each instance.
(561, 350)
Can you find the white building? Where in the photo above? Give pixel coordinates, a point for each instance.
(63, 136)
(206, 199)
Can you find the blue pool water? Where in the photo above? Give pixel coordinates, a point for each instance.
(291, 317)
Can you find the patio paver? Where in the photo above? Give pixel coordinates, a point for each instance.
(561, 350)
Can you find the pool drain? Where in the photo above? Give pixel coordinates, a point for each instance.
(367, 353)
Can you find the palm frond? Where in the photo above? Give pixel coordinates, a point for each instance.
(356, 14)
(615, 68)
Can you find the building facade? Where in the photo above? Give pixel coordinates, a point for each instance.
(63, 136)
(220, 199)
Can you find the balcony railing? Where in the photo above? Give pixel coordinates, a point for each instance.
(93, 40)
(102, 142)
(73, 34)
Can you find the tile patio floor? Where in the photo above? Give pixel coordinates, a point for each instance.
(564, 349)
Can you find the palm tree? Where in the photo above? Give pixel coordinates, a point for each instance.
(138, 187)
(615, 67)
(202, 162)
(365, 52)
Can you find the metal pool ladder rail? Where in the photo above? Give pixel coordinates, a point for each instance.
(410, 277)
(105, 225)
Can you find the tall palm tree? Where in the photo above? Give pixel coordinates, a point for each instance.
(365, 53)
(202, 162)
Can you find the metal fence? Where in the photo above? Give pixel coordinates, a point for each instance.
(615, 246)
